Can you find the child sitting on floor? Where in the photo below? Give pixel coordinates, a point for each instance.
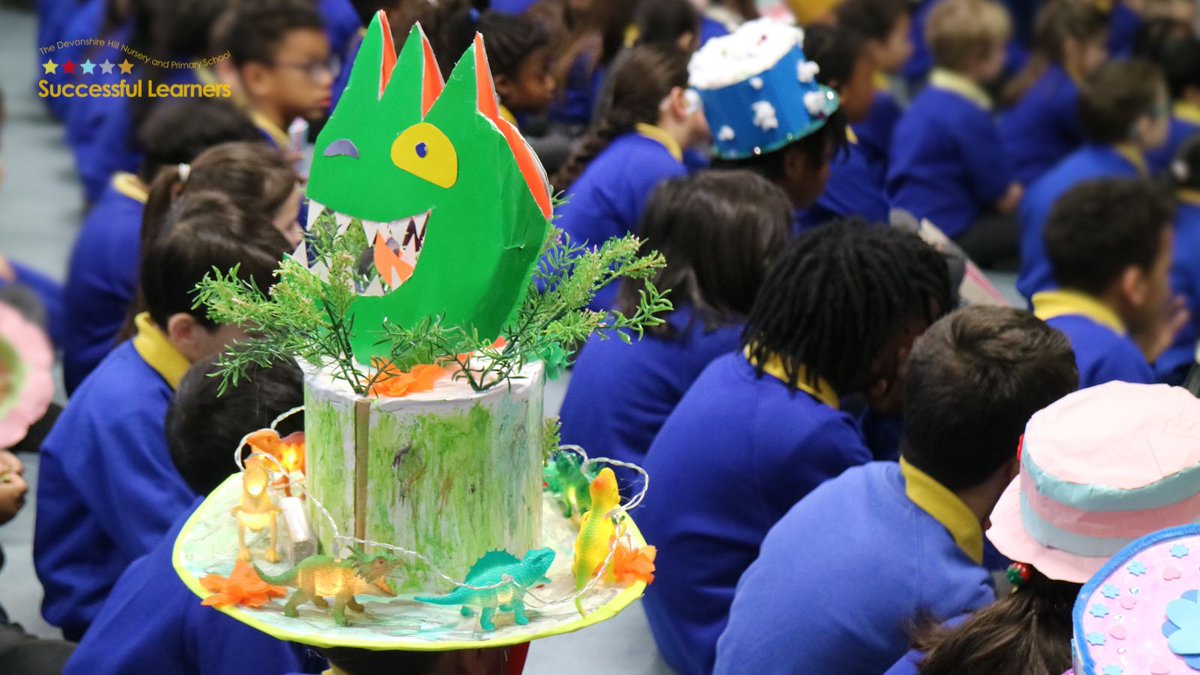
(1173, 365)
(102, 275)
(1181, 66)
(886, 25)
(637, 143)
(108, 490)
(1042, 126)
(1110, 245)
(854, 188)
(718, 231)
(947, 163)
(762, 427)
(883, 545)
(279, 56)
(1123, 107)
(203, 430)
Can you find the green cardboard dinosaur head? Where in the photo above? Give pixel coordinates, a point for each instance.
(453, 203)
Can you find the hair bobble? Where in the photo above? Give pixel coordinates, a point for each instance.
(185, 170)
(1018, 575)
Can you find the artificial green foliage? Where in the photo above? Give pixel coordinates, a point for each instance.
(309, 317)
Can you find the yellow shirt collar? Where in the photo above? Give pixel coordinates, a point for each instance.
(1051, 304)
(656, 134)
(1134, 157)
(823, 392)
(1191, 197)
(128, 185)
(851, 137)
(154, 348)
(507, 115)
(945, 507)
(881, 81)
(1187, 112)
(948, 80)
(277, 135)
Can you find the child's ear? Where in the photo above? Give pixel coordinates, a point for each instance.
(182, 331)
(254, 77)
(503, 86)
(676, 104)
(1134, 286)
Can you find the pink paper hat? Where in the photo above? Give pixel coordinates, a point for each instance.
(1099, 469)
(26, 383)
(1140, 614)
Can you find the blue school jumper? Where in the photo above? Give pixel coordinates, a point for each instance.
(711, 28)
(85, 22)
(102, 277)
(847, 567)
(875, 133)
(1123, 26)
(738, 452)
(620, 394)
(1087, 163)
(580, 93)
(107, 489)
(152, 618)
(343, 76)
(1173, 366)
(341, 24)
(1103, 350)
(853, 189)
(1043, 127)
(947, 163)
(1185, 123)
(608, 198)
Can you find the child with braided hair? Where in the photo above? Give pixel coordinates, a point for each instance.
(761, 427)
(637, 142)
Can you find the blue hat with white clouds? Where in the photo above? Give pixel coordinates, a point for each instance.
(759, 91)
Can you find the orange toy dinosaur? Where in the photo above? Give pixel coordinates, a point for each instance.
(257, 512)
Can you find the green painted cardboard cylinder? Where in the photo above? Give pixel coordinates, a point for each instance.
(450, 473)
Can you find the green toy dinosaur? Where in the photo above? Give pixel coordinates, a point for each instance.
(569, 483)
(453, 203)
(513, 577)
(320, 576)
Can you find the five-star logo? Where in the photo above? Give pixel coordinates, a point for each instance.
(50, 67)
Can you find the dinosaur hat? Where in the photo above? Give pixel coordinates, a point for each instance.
(759, 91)
(453, 210)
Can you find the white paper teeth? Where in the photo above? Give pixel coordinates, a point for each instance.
(300, 255)
(314, 210)
(343, 222)
(373, 289)
(320, 270)
(370, 229)
(396, 282)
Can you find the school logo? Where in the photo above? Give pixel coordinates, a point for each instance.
(94, 68)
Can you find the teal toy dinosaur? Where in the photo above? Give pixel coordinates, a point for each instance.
(569, 483)
(512, 578)
(454, 205)
(320, 576)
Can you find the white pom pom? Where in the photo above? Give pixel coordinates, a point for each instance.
(807, 71)
(764, 116)
(814, 101)
(1179, 169)
(756, 82)
(726, 134)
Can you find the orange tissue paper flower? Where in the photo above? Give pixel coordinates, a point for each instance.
(630, 565)
(242, 587)
(395, 383)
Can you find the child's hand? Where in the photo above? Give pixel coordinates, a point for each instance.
(1011, 199)
(7, 273)
(12, 486)
(1160, 335)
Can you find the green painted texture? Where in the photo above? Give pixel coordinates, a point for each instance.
(452, 484)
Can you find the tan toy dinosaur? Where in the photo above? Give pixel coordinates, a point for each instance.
(258, 511)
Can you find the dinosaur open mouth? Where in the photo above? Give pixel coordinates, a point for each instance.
(392, 252)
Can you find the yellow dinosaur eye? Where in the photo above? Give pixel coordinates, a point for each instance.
(425, 152)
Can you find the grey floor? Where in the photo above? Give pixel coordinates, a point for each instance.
(40, 211)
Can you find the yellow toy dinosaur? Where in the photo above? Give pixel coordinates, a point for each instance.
(596, 532)
(257, 512)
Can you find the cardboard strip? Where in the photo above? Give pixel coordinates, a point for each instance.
(362, 421)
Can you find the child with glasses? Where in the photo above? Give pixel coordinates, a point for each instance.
(280, 57)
